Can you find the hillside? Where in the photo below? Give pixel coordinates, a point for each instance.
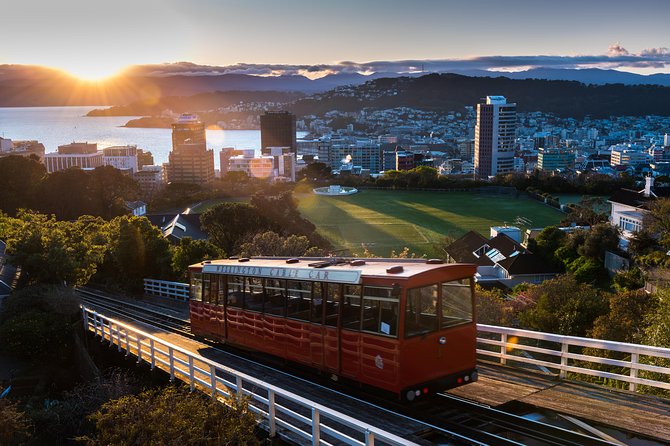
(445, 92)
(198, 102)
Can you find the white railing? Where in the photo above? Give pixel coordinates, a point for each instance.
(562, 354)
(283, 413)
(164, 288)
(566, 354)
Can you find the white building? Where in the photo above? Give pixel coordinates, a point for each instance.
(121, 157)
(77, 154)
(138, 208)
(278, 165)
(622, 156)
(6, 144)
(629, 207)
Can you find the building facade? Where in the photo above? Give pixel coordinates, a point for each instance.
(495, 134)
(151, 179)
(626, 157)
(277, 165)
(357, 152)
(555, 159)
(83, 155)
(121, 157)
(21, 148)
(278, 130)
(189, 160)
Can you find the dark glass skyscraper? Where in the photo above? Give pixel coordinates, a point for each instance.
(278, 130)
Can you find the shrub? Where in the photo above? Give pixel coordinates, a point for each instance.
(174, 416)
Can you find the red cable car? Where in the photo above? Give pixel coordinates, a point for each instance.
(406, 326)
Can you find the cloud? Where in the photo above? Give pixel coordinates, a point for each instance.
(616, 57)
(617, 50)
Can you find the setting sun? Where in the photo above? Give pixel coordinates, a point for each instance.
(93, 72)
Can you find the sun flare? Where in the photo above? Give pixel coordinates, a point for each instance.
(93, 72)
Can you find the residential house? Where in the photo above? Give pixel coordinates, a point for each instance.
(500, 260)
(629, 207)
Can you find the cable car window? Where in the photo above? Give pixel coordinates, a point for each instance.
(254, 298)
(351, 308)
(380, 311)
(333, 299)
(222, 289)
(214, 289)
(456, 302)
(196, 287)
(317, 302)
(205, 288)
(275, 297)
(236, 291)
(299, 296)
(421, 310)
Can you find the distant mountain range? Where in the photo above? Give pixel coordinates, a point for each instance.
(25, 85)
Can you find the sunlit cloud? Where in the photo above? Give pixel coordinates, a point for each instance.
(616, 57)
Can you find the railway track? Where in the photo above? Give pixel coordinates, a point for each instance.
(136, 311)
(448, 419)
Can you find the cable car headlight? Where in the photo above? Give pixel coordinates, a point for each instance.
(443, 340)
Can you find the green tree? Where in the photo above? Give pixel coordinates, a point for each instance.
(586, 212)
(189, 251)
(37, 323)
(657, 221)
(641, 243)
(272, 244)
(625, 320)
(422, 177)
(15, 427)
(173, 416)
(228, 223)
(490, 304)
(563, 306)
(586, 270)
(630, 280)
(547, 242)
(137, 250)
(316, 172)
(657, 328)
(66, 194)
(52, 251)
(657, 333)
(600, 238)
(19, 180)
(109, 189)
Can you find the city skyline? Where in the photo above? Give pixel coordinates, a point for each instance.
(93, 40)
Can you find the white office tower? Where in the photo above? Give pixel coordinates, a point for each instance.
(495, 135)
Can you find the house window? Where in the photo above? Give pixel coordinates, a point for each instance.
(628, 224)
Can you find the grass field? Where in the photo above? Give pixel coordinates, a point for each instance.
(392, 220)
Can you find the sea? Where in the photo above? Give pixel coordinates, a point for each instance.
(54, 126)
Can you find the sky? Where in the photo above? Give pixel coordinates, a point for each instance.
(96, 38)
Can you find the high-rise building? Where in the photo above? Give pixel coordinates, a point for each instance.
(189, 160)
(278, 130)
(495, 134)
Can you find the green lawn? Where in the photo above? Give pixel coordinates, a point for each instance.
(392, 220)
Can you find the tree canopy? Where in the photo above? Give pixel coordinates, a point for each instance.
(563, 306)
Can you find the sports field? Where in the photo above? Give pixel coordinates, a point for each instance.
(392, 220)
